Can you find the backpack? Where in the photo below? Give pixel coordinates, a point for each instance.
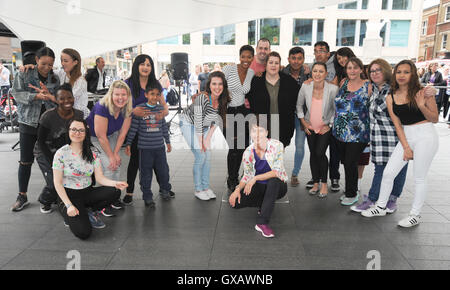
(172, 97)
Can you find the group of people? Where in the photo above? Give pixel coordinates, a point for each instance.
(334, 103)
(438, 77)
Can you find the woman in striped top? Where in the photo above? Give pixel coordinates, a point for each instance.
(239, 78)
(198, 122)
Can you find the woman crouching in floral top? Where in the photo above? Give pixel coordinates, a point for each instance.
(73, 167)
(264, 179)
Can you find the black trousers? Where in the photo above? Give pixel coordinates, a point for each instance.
(350, 154)
(318, 160)
(27, 142)
(95, 198)
(235, 153)
(48, 194)
(264, 197)
(335, 159)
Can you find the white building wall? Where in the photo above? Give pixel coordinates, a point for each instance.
(199, 53)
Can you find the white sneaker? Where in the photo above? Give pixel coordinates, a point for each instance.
(374, 211)
(410, 221)
(202, 195)
(210, 193)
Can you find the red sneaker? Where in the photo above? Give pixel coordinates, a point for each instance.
(265, 230)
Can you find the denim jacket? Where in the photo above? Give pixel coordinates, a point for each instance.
(29, 109)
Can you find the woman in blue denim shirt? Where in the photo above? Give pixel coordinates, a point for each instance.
(351, 124)
(34, 92)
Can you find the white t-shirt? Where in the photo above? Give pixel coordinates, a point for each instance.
(4, 77)
(77, 172)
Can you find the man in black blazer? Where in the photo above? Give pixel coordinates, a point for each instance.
(95, 77)
(259, 99)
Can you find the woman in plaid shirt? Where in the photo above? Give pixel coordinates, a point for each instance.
(383, 138)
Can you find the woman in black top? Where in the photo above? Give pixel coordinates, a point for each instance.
(275, 95)
(52, 135)
(413, 112)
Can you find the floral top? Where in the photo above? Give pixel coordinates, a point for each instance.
(351, 120)
(274, 156)
(77, 173)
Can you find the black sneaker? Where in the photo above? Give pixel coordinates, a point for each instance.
(149, 203)
(45, 208)
(335, 185)
(21, 203)
(117, 204)
(108, 212)
(171, 193)
(310, 184)
(127, 199)
(164, 195)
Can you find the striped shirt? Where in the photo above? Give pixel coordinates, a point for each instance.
(383, 137)
(236, 88)
(152, 132)
(201, 114)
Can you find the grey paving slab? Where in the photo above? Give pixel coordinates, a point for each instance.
(186, 233)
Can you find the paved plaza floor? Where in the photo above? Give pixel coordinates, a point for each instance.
(186, 233)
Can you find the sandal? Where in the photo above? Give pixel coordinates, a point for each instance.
(323, 195)
(313, 192)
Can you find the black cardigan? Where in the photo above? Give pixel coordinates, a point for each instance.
(259, 100)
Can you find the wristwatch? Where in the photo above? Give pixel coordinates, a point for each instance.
(68, 205)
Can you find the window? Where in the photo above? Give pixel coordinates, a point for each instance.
(401, 4)
(424, 27)
(351, 32)
(444, 41)
(360, 4)
(447, 13)
(348, 5)
(320, 30)
(270, 28)
(383, 33)
(307, 31)
(225, 35)
(399, 33)
(303, 32)
(362, 31)
(207, 37)
(396, 5)
(169, 40)
(186, 38)
(252, 32)
(365, 3)
(345, 35)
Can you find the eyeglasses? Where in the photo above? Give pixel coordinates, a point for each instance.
(320, 51)
(378, 70)
(79, 131)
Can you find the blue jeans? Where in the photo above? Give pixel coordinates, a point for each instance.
(399, 182)
(202, 162)
(299, 147)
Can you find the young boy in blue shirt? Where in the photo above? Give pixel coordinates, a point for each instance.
(153, 132)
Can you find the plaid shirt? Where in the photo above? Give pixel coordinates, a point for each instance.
(383, 137)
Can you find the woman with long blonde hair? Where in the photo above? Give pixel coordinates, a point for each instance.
(109, 122)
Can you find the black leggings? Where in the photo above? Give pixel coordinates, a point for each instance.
(264, 197)
(234, 157)
(318, 160)
(350, 154)
(27, 142)
(95, 198)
